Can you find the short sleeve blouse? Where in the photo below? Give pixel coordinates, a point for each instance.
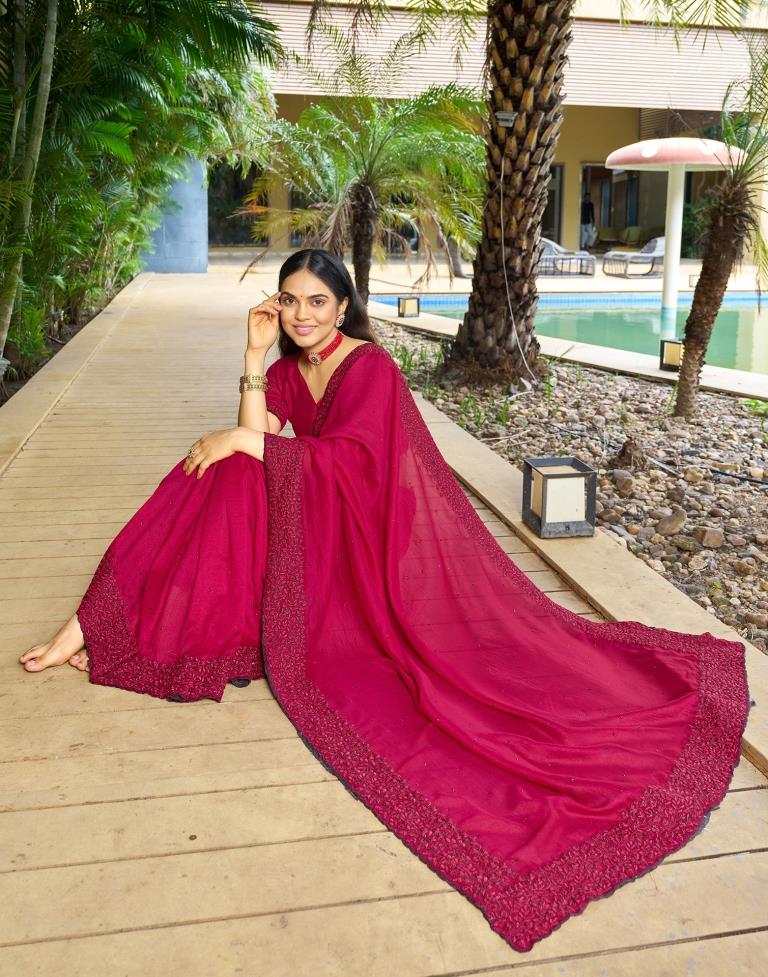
(278, 396)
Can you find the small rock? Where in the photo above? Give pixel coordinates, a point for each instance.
(698, 562)
(625, 486)
(757, 618)
(709, 536)
(757, 473)
(743, 568)
(672, 523)
(686, 544)
(693, 475)
(676, 493)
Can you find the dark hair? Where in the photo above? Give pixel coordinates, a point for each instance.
(332, 271)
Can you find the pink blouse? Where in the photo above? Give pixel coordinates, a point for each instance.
(288, 396)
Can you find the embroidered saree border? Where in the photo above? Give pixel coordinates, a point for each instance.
(521, 907)
(114, 658)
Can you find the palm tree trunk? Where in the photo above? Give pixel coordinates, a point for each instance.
(527, 46)
(363, 228)
(722, 247)
(454, 259)
(34, 141)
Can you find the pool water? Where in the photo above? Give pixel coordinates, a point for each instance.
(633, 322)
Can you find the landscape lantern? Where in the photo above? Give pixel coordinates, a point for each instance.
(675, 156)
(559, 497)
(670, 354)
(407, 305)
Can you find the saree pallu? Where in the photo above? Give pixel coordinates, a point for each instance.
(533, 759)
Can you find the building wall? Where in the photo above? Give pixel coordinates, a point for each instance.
(588, 135)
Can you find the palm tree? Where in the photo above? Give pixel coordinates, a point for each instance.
(367, 166)
(732, 223)
(101, 104)
(527, 43)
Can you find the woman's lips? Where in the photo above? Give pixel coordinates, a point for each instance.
(303, 330)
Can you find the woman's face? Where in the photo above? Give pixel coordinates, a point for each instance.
(309, 309)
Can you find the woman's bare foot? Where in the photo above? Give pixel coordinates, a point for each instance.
(68, 644)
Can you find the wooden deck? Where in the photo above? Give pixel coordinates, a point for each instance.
(144, 838)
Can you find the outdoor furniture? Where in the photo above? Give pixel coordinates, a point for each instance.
(621, 263)
(557, 260)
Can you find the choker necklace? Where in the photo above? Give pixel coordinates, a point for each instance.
(326, 351)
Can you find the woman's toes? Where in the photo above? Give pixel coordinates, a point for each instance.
(32, 652)
(36, 662)
(80, 660)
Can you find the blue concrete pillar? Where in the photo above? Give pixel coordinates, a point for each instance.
(180, 243)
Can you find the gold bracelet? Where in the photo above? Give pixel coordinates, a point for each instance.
(253, 376)
(252, 386)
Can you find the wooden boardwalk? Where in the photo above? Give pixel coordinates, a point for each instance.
(141, 837)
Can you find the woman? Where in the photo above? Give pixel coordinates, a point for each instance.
(533, 759)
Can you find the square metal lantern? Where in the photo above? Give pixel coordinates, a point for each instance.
(559, 496)
(670, 354)
(407, 305)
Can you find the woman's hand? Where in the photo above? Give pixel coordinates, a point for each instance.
(263, 324)
(210, 448)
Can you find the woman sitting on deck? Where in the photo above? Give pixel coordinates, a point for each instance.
(533, 759)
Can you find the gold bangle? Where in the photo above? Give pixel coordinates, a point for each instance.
(253, 376)
(252, 386)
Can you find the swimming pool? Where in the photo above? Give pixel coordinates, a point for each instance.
(632, 321)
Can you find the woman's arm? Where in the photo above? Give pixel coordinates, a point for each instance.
(253, 411)
(253, 403)
(250, 442)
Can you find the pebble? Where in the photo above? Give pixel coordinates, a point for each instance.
(709, 536)
(701, 521)
(671, 524)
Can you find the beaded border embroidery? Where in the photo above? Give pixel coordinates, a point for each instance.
(114, 659)
(522, 907)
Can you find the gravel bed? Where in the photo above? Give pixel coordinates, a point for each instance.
(688, 498)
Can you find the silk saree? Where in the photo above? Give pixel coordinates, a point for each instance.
(533, 759)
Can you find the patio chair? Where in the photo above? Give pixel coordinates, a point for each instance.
(557, 260)
(620, 263)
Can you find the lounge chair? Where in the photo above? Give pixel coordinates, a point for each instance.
(557, 260)
(621, 263)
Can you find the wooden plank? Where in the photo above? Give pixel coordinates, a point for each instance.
(89, 545)
(435, 933)
(202, 769)
(547, 581)
(569, 600)
(64, 507)
(134, 894)
(38, 568)
(737, 955)
(66, 691)
(176, 724)
(529, 561)
(155, 826)
(93, 514)
(43, 587)
(53, 492)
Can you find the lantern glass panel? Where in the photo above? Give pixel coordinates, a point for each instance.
(672, 353)
(565, 496)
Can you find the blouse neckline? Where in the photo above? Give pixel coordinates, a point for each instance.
(328, 384)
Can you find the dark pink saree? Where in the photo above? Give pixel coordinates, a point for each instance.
(534, 760)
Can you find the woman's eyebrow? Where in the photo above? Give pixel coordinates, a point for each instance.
(317, 295)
